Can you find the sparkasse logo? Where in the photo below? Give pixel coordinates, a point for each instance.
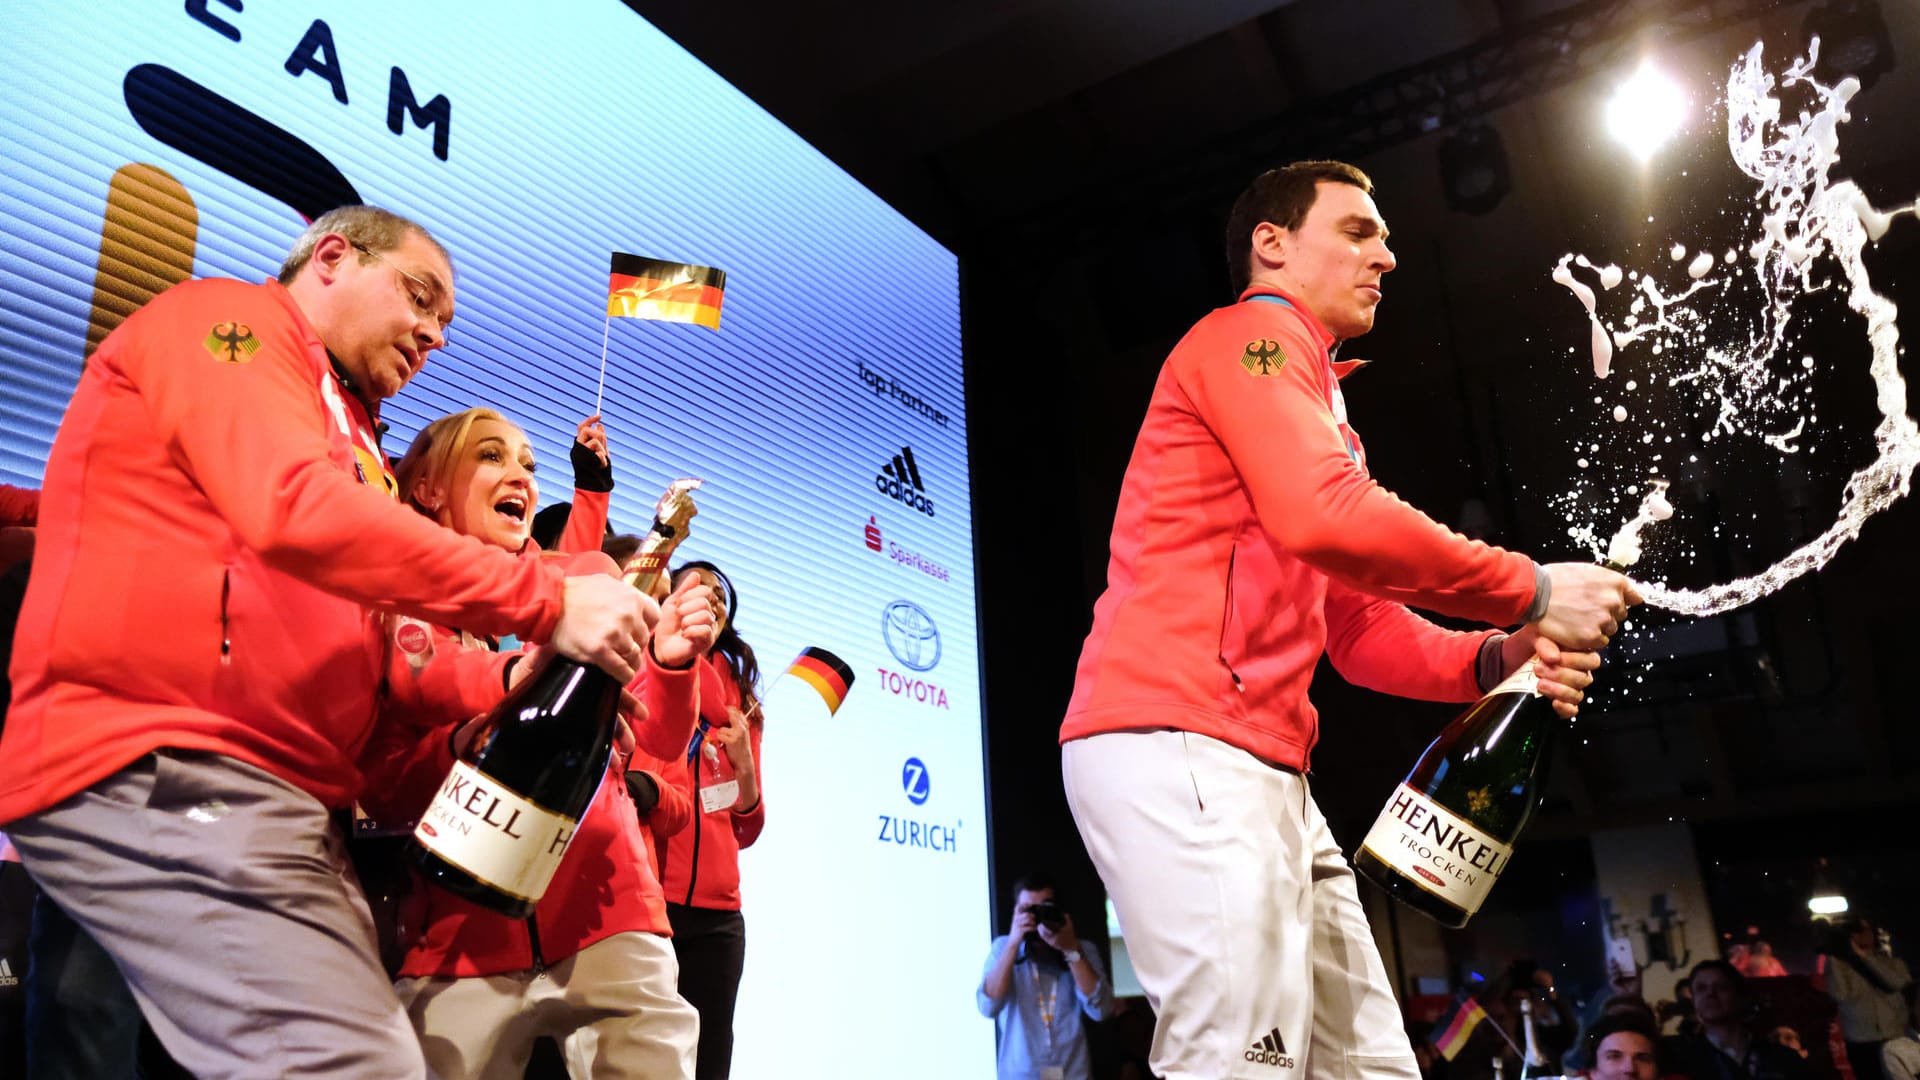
(903, 555)
(900, 481)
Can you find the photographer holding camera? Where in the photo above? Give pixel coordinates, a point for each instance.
(1039, 981)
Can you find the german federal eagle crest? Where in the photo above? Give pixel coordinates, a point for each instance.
(232, 342)
(1263, 357)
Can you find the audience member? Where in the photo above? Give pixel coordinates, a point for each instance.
(1900, 1057)
(1623, 1046)
(1866, 982)
(1041, 980)
(1727, 1048)
(1762, 964)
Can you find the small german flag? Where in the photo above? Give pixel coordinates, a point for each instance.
(643, 288)
(1451, 1031)
(826, 673)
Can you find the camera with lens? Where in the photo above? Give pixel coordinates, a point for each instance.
(1048, 914)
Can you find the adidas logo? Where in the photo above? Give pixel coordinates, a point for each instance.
(1270, 1050)
(6, 973)
(899, 480)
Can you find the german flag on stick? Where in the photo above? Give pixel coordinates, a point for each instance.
(1451, 1031)
(641, 288)
(826, 673)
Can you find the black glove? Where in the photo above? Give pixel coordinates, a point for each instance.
(646, 793)
(588, 473)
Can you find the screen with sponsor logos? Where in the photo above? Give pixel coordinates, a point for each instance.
(143, 144)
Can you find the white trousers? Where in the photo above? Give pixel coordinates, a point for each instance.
(611, 1006)
(1239, 912)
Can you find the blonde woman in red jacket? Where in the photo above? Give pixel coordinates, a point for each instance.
(591, 968)
(720, 768)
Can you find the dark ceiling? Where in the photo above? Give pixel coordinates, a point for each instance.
(1079, 155)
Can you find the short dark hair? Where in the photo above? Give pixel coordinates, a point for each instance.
(1734, 978)
(1614, 1024)
(1282, 196)
(1034, 882)
(1626, 1003)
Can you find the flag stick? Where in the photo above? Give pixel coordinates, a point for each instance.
(606, 331)
(1503, 1034)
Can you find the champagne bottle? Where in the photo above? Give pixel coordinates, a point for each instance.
(508, 809)
(1448, 831)
(503, 818)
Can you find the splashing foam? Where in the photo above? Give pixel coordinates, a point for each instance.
(1804, 217)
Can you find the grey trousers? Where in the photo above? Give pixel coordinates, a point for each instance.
(225, 896)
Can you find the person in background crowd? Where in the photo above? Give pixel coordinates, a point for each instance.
(1040, 986)
(228, 433)
(1250, 541)
(1900, 1057)
(1728, 1048)
(1762, 964)
(719, 768)
(590, 968)
(1784, 1035)
(1623, 999)
(1623, 1046)
(1676, 1014)
(1866, 981)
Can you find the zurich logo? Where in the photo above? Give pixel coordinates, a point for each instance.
(915, 781)
(911, 636)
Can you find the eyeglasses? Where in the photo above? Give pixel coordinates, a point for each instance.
(424, 296)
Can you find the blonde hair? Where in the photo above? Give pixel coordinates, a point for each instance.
(431, 458)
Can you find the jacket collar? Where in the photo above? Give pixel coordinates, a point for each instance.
(370, 406)
(1326, 340)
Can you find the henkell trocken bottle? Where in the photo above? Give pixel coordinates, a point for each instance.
(1448, 831)
(501, 822)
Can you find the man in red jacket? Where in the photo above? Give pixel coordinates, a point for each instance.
(1248, 541)
(200, 645)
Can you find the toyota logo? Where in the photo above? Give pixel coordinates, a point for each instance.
(911, 636)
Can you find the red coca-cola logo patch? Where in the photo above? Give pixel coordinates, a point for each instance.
(413, 639)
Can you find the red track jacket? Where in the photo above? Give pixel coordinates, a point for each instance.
(703, 862)
(216, 525)
(1249, 539)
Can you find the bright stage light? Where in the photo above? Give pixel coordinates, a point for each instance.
(1646, 111)
(1827, 905)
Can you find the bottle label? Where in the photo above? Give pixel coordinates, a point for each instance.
(1437, 849)
(491, 832)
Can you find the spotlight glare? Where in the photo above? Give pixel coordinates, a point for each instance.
(1646, 111)
(1827, 905)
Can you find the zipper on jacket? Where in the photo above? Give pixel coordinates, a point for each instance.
(533, 943)
(226, 641)
(1226, 617)
(699, 826)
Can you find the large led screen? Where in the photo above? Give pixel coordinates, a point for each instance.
(142, 143)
